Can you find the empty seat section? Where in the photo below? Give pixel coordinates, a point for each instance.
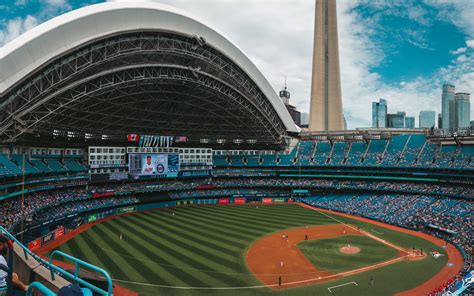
(74, 166)
(56, 166)
(29, 169)
(41, 166)
(237, 160)
(9, 168)
(220, 160)
(253, 160)
(286, 160)
(268, 160)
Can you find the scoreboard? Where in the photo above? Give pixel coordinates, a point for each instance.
(153, 164)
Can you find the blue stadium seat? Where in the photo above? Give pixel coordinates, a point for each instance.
(8, 168)
(339, 152)
(322, 153)
(376, 148)
(56, 166)
(356, 153)
(29, 169)
(41, 166)
(74, 166)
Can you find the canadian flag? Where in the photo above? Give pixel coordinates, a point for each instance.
(133, 137)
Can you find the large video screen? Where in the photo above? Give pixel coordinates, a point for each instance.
(153, 164)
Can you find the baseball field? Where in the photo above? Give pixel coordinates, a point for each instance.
(286, 249)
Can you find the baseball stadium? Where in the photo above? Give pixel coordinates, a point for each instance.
(143, 153)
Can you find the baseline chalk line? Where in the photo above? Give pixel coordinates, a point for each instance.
(341, 285)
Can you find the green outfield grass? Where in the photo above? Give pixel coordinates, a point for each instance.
(205, 247)
(325, 254)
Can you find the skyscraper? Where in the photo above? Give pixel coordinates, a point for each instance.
(379, 113)
(446, 97)
(427, 119)
(462, 113)
(326, 102)
(409, 122)
(396, 120)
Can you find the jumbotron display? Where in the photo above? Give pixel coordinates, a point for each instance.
(153, 164)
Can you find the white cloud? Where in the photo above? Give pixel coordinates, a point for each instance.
(459, 12)
(458, 51)
(470, 43)
(16, 27)
(56, 2)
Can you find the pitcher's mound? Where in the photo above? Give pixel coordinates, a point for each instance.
(349, 250)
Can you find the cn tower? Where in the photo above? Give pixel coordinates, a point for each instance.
(326, 102)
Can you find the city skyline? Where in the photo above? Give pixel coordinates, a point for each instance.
(455, 111)
(407, 63)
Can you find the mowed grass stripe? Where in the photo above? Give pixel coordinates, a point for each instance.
(250, 231)
(229, 220)
(237, 221)
(95, 241)
(188, 236)
(206, 222)
(199, 252)
(136, 246)
(201, 231)
(105, 240)
(171, 245)
(264, 223)
(127, 248)
(269, 215)
(293, 213)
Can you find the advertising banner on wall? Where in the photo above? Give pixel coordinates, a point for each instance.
(239, 200)
(223, 201)
(279, 199)
(126, 210)
(267, 200)
(59, 232)
(92, 218)
(34, 244)
(47, 238)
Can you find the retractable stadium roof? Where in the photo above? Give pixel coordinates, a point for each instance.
(118, 68)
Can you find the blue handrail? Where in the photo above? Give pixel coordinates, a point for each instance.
(53, 268)
(75, 276)
(40, 287)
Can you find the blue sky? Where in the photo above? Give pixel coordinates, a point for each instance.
(401, 50)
